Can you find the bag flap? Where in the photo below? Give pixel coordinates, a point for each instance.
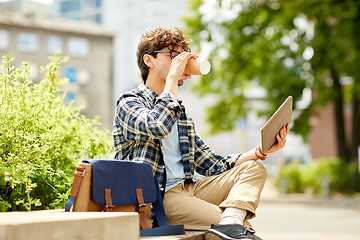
(122, 178)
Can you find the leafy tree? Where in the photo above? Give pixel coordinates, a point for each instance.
(41, 138)
(293, 47)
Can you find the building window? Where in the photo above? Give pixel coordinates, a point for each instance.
(28, 42)
(97, 3)
(54, 43)
(78, 47)
(71, 73)
(69, 6)
(98, 18)
(69, 97)
(4, 39)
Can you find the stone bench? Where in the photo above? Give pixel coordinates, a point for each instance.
(60, 225)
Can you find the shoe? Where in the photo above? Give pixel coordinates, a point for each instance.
(230, 232)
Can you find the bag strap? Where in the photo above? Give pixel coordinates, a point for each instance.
(159, 211)
(158, 207)
(142, 207)
(78, 176)
(109, 207)
(163, 231)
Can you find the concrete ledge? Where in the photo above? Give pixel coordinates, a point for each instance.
(190, 235)
(60, 225)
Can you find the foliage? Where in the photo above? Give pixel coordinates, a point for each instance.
(42, 138)
(289, 178)
(341, 177)
(297, 48)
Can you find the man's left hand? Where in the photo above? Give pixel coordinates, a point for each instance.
(281, 139)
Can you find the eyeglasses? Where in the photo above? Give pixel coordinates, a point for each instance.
(173, 53)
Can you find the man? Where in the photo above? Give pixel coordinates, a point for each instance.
(151, 126)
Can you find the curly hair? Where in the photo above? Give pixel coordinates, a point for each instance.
(156, 40)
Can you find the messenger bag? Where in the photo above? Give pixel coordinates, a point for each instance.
(120, 186)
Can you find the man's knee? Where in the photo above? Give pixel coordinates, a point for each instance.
(253, 165)
(259, 167)
(252, 168)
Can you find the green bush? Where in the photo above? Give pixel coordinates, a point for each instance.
(41, 138)
(317, 176)
(289, 178)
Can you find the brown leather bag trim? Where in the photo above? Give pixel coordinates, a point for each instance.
(109, 207)
(78, 175)
(142, 209)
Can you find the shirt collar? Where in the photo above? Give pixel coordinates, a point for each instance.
(147, 93)
(150, 94)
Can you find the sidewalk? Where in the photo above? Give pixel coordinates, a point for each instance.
(271, 195)
(300, 216)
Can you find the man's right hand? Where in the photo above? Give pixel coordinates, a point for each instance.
(176, 74)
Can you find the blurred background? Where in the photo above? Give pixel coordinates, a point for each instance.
(261, 52)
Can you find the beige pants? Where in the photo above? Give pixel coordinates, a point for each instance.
(200, 204)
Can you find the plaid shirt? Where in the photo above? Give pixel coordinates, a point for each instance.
(143, 118)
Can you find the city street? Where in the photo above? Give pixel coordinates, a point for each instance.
(295, 218)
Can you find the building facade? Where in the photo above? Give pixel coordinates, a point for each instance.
(322, 137)
(89, 47)
(85, 10)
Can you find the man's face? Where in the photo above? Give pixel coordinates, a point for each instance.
(164, 60)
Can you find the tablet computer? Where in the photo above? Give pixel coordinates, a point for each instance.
(279, 119)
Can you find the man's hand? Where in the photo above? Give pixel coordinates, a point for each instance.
(281, 140)
(254, 153)
(178, 65)
(176, 74)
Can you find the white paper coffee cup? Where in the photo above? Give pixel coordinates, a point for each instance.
(198, 66)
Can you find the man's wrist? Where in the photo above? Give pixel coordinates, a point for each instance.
(259, 154)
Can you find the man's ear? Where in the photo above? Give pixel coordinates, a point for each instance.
(149, 60)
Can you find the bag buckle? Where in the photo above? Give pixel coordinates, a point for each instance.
(107, 206)
(81, 173)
